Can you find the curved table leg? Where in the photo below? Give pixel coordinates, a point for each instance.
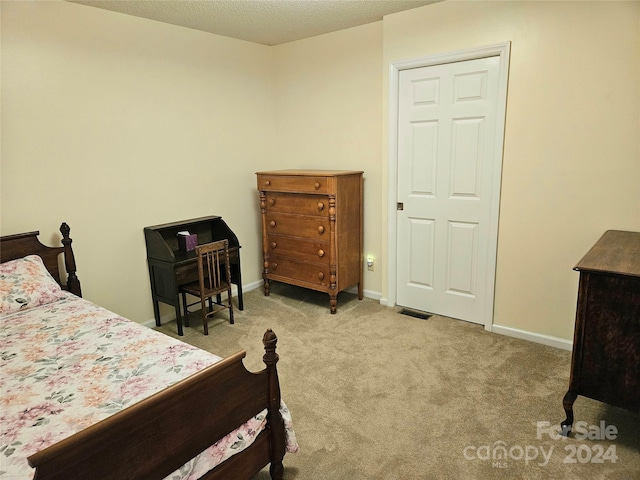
(567, 404)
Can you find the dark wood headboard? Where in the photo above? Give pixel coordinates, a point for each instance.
(23, 244)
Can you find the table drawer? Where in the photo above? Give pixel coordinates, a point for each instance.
(316, 228)
(294, 270)
(293, 183)
(301, 204)
(186, 273)
(295, 248)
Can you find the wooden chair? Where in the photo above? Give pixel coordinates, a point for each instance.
(214, 278)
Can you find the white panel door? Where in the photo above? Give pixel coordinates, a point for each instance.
(446, 171)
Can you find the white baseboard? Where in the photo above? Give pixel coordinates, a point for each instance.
(366, 293)
(151, 323)
(548, 340)
(170, 316)
(252, 286)
(353, 290)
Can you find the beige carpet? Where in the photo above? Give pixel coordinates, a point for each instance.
(379, 395)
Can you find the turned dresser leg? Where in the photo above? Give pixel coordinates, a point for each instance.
(567, 404)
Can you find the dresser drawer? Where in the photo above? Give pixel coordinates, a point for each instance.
(298, 249)
(293, 183)
(301, 204)
(316, 228)
(304, 272)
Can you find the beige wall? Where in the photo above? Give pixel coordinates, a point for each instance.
(329, 115)
(571, 167)
(113, 123)
(103, 115)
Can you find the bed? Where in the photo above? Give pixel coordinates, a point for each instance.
(88, 394)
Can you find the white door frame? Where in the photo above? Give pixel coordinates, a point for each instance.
(499, 49)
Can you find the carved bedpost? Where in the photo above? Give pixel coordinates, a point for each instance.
(73, 284)
(274, 417)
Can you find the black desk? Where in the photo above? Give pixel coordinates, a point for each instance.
(169, 268)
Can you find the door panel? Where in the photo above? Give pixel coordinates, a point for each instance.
(446, 166)
(421, 251)
(462, 255)
(466, 160)
(425, 147)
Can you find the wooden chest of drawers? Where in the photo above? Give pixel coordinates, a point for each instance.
(605, 364)
(312, 229)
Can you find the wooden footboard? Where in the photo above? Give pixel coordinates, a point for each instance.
(155, 437)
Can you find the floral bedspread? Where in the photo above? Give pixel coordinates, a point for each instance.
(69, 364)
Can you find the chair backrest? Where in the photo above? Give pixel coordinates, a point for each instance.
(213, 265)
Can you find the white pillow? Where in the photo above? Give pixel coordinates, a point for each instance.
(26, 283)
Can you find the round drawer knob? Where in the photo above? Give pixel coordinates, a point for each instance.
(274, 266)
(321, 275)
(267, 183)
(272, 223)
(320, 206)
(320, 229)
(272, 202)
(273, 244)
(316, 185)
(321, 253)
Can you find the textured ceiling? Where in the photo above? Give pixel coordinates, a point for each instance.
(269, 22)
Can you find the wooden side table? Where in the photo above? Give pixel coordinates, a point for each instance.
(605, 365)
